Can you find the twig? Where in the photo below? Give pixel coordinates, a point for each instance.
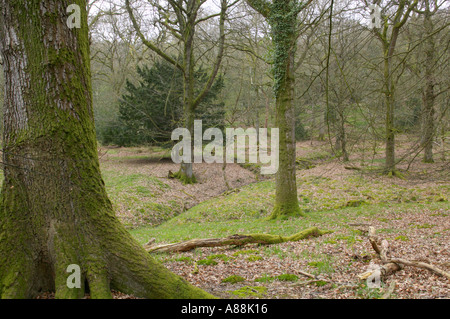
(391, 265)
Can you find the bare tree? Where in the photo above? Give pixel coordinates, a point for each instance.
(181, 18)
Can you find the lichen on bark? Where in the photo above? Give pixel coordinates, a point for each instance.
(54, 210)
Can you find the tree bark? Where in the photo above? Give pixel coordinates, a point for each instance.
(54, 210)
(283, 21)
(389, 99)
(428, 91)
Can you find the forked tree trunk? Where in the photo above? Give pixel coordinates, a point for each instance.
(54, 210)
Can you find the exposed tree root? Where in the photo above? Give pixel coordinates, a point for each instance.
(237, 240)
(391, 265)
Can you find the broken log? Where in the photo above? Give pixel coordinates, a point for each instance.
(236, 240)
(391, 265)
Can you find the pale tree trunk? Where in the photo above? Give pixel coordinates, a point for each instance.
(54, 210)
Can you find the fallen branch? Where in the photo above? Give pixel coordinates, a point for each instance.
(391, 265)
(423, 265)
(237, 240)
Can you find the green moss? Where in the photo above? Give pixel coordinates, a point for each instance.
(402, 238)
(286, 210)
(254, 258)
(233, 279)
(185, 259)
(211, 260)
(184, 178)
(207, 262)
(248, 291)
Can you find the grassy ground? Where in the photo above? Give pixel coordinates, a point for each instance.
(411, 213)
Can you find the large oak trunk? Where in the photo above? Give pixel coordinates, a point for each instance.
(54, 210)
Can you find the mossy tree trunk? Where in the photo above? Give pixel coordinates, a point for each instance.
(54, 210)
(284, 25)
(282, 18)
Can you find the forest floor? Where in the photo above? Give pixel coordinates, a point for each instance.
(412, 213)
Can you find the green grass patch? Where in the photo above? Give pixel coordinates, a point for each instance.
(265, 278)
(195, 228)
(211, 260)
(287, 277)
(402, 238)
(246, 252)
(254, 258)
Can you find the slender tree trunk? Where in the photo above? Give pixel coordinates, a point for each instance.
(389, 104)
(186, 173)
(54, 210)
(428, 92)
(342, 135)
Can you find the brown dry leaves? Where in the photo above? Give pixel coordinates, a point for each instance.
(345, 261)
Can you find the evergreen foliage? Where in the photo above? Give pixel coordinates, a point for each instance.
(151, 109)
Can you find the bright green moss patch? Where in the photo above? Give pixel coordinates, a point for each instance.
(254, 258)
(207, 262)
(211, 260)
(402, 238)
(185, 259)
(233, 279)
(247, 291)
